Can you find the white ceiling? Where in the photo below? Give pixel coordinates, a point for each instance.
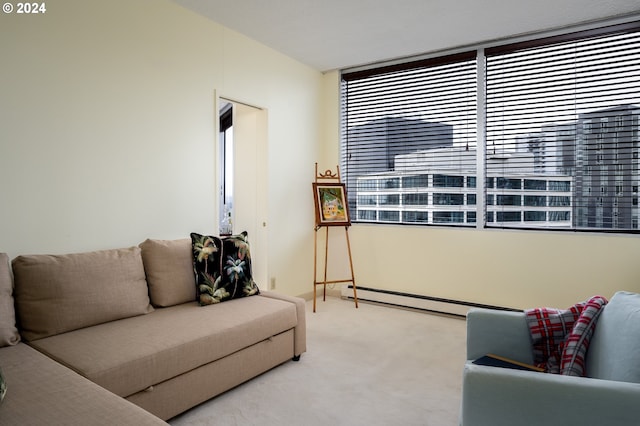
(336, 34)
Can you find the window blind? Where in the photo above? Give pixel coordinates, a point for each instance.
(409, 140)
(562, 131)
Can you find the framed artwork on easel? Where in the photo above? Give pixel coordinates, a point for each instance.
(331, 204)
(332, 209)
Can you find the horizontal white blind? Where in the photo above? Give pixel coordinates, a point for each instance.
(562, 131)
(562, 142)
(409, 137)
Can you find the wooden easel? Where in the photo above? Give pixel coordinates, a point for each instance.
(329, 176)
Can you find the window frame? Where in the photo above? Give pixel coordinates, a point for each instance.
(483, 200)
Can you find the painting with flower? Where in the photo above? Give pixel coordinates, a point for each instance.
(331, 204)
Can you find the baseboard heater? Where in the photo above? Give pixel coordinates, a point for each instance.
(415, 301)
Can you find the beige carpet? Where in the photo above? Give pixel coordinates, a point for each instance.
(375, 365)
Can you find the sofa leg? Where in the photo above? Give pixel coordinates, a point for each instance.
(296, 358)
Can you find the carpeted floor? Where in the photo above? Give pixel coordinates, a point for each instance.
(375, 365)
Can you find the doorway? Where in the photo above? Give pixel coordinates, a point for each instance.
(242, 177)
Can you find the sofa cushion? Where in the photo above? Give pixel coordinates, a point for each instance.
(8, 331)
(169, 268)
(59, 293)
(130, 355)
(614, 352)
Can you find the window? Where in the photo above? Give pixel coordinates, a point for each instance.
(535, 184)
(508, 216)
(535, 200)
(559, 201)
(415, 217)
(558, 107)
(444, 181)
(505, 183)
(471, 199)
(561, 113)
(397, 118)
(389, 216)
(448, 199)
(559, 216)
(508, 200)
(367, 200)
(420, 181)
(471, 182)
(367, 215)
(559, 186)
(389, 200)
(390, 183)
(367, 184)
(448, 217)
(535, 216)
(421, 199)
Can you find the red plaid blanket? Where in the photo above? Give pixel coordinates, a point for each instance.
(561, 337)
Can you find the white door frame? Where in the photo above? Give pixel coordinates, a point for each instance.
(250, 198)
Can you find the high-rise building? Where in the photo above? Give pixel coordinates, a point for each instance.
(439, 186)
(606, 171)
(553, 148)
(373, 146)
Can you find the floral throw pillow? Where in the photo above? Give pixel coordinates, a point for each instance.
(206, 266)
(222, 268)
(236, 272)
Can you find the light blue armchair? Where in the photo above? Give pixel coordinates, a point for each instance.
(609, 395)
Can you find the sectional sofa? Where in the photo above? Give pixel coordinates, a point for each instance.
(117, 336)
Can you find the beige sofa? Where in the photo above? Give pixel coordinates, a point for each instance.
(126, 320)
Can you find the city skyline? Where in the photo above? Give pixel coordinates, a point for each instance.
(600, 159)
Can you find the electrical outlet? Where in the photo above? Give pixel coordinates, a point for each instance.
(273, 283)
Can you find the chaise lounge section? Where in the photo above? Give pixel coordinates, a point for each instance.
(44, 392)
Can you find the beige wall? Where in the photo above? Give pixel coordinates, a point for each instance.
(504, 268)
(107, 138)
(514, 269)
(107, 129)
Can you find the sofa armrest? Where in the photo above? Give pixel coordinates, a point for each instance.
(495, 396)
(503, 333)
(300, 331)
